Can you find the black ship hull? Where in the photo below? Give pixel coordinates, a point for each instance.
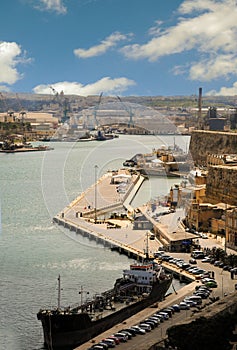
(67, 330)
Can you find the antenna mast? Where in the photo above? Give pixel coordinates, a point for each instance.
(59, 292)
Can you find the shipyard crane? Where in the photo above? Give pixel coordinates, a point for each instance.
(96, 109)
(22, 113)
(7, 110)
(129, 110)
(63, 103)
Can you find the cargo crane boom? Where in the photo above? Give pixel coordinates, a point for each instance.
(129, 110)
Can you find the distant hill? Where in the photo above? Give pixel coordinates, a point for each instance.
(35, 102)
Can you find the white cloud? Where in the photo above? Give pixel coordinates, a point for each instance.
(105, 45)
(9, 58)
(105, 85)
(224, 91)
(207, 27)
(4, 88)
(214, 67)
(52, 5)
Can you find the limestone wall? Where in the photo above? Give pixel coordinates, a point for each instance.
(221, 184)
(203, 143)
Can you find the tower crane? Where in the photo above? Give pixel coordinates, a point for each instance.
(129, 110)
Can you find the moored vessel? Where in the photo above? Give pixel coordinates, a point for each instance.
(140, 286)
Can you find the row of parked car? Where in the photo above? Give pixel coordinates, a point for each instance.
(150, 323)
(205, 276)
(218, 263)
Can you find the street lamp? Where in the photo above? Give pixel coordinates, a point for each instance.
(96, 167)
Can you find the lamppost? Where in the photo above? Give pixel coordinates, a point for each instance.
(96, 167)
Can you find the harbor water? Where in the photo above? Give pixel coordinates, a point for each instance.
(35, 186)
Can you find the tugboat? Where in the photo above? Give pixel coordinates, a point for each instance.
(140, 286)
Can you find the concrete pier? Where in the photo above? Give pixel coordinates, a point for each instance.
(98, 223)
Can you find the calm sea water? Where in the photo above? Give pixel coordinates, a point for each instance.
(33, 251)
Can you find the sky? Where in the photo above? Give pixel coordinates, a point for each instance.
(119, 47)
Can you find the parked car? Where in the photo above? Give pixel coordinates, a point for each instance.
(183, 306)
(169, 311)
(202, 294)
(110, 342)
(117, 341)
(200, 291)
(145, 326)
(104, 345)
(191, 303)
(192, 261)
(185, 265)
(196, 298)
(154, 318)
(207, 279)
(166, 257)
(165, 314)
(122, 337)
(176, 307)
(129, 335)
(161, 317)
(199, 272)
(130, 330)
(211, 284)
(150, 323)
(138, 330)
(207, 259)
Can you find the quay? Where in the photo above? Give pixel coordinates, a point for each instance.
(225, 292)
(26, 149)
(104, 213)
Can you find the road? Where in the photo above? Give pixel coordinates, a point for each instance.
(226, 286)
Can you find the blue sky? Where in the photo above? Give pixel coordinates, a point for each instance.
(119, 47)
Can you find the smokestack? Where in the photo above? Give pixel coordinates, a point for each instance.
(200, 107)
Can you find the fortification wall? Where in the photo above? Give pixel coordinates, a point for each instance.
(204, 142)
(222, 184)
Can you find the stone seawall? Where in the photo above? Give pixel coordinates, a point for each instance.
(207, 142)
